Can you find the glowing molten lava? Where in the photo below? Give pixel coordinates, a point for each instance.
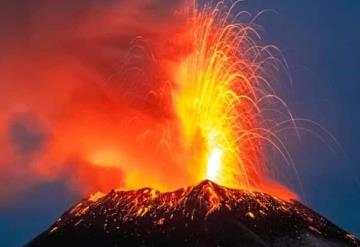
(214, 164)
(219, 101)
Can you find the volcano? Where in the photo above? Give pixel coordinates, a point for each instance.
(206, 215)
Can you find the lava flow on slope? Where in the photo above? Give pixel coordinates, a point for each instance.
(204, 215)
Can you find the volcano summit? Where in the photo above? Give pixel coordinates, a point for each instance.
(206, 215)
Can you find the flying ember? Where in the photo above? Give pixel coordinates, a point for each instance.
(221, 95)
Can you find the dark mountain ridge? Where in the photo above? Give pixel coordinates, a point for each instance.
(206, 215)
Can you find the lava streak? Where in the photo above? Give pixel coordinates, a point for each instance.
(221, 96)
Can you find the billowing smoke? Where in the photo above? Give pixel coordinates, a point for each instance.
(85, 93)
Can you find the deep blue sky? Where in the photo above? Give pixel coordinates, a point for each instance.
(321, 42)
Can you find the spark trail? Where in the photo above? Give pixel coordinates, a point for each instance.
(222, 94)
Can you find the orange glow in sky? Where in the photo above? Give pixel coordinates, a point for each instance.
(182, 103)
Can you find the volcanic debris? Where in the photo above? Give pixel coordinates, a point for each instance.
(206, 215)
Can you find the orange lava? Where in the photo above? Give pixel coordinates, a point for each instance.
(220, 87)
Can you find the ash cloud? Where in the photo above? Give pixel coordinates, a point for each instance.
(27, 136)
(64, 63)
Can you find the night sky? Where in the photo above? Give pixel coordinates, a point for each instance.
(321, 43)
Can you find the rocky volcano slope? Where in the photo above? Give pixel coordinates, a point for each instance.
(206, 215)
